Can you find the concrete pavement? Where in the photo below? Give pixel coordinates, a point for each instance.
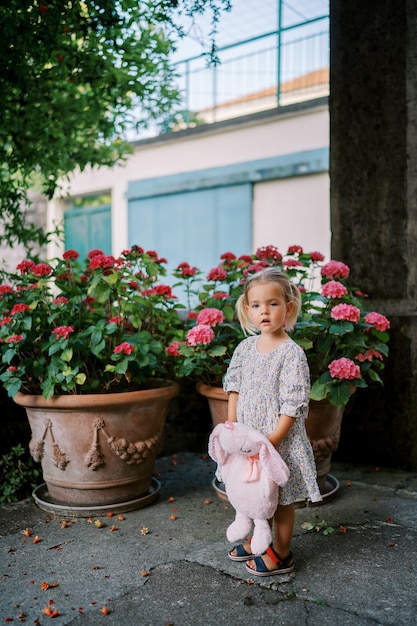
(166, 564)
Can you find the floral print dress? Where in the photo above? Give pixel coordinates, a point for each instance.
(270, 385)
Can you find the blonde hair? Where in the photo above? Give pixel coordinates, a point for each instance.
(290, 292)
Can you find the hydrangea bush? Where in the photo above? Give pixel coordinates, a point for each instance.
(346, 344)
(93, 326)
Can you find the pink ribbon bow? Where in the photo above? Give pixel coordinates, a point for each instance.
(252, 469)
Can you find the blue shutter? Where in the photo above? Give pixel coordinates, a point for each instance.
(194, 226)
(86, 228)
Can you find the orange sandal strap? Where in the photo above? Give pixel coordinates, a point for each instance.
(273, 555)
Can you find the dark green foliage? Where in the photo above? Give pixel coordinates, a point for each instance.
(18, 475)
(73, 77)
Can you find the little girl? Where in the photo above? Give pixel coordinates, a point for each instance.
(268, 383)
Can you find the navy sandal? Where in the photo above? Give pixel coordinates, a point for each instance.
(241, 554)
(283, 566)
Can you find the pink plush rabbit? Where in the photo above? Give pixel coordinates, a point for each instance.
(252, 471)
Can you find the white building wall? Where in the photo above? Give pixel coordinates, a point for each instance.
(285, 211)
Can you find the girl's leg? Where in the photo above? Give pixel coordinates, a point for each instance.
(284, 519)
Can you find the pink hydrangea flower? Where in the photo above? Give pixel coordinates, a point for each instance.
(172, 349)
(333, 289)
(369, 355)
(210, 317)
(15, 339)
(62, 331)
(380, 322)
(200, 334)
(344, 369)
(123, 348)
(346, 312)
(335, 269)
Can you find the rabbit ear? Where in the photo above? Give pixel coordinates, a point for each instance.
(215, 449)
(273, 464)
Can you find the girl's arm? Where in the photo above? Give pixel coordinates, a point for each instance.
(281, 430)
(231, 409)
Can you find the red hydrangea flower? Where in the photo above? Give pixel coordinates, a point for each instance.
(245, 258)
(186, 269)
(217, 273)
(344, 369)
(95, 252)
(291, 263)
(116, 320)
(257, 267)
(295, 250)
(25, 266)
(228, 256)
(100, 260)
(200, 334)
(317, 257)
(269, 252)
(70, 254)
(61, 300)
(6, 289)
(19, 308)
(42, 269)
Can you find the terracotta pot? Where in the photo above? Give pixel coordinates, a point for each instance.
(323, 428)
(217, 400)
(98, 449)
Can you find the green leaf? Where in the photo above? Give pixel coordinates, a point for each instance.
(80, 379)
(318, 391)
(339, 394)
(67, 354)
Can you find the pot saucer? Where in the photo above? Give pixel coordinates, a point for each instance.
(44, 502)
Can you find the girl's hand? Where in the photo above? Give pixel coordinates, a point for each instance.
(281, 430)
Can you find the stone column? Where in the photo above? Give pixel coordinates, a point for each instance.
(373, 177)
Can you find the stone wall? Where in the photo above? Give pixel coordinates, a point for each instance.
(373, 178)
